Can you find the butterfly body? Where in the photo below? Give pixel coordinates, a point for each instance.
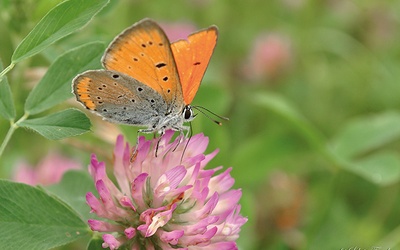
(141, 84)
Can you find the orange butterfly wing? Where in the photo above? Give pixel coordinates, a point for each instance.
(192, 57)
(143, 52)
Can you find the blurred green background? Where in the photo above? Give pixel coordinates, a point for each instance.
(311, 88)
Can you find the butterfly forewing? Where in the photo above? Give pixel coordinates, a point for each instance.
(192, 57)
(118, 97)
(143, 52)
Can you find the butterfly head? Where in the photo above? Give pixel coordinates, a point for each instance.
(187, 114)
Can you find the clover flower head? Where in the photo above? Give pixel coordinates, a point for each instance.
(168, 201)
(270, 57)
(48, 171)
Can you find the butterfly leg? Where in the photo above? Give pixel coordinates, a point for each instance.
(135, 149)
(181, 136)
(158, 141)
(189, 136)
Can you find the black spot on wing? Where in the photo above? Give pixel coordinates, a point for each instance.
(160, 65)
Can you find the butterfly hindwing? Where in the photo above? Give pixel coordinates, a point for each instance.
(192, 57)
(118, 97)
(143, 52)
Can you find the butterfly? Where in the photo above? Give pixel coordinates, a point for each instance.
(148, 81)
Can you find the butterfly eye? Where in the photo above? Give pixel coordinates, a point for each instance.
(187, 112)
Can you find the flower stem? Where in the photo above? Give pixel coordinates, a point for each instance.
(5, 71)
(10, 132)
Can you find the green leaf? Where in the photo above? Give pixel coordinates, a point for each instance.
(70, 122)
(62, 20)
(95, 244)
(281, 107)
(32, 219)
(380, 168)
(366, 134)
(55, 86)
(252, 153)
(7, 109)
(73, 188)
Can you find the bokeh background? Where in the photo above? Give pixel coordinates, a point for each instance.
(305, 83)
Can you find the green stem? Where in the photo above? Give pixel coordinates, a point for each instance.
(5, 71)
(10, 132)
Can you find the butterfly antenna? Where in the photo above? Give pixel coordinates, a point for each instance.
(203, 110)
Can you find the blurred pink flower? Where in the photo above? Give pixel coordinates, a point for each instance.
(270, 56)
(165, 203)
(49, 171)
(178, 30)
(293, 4)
